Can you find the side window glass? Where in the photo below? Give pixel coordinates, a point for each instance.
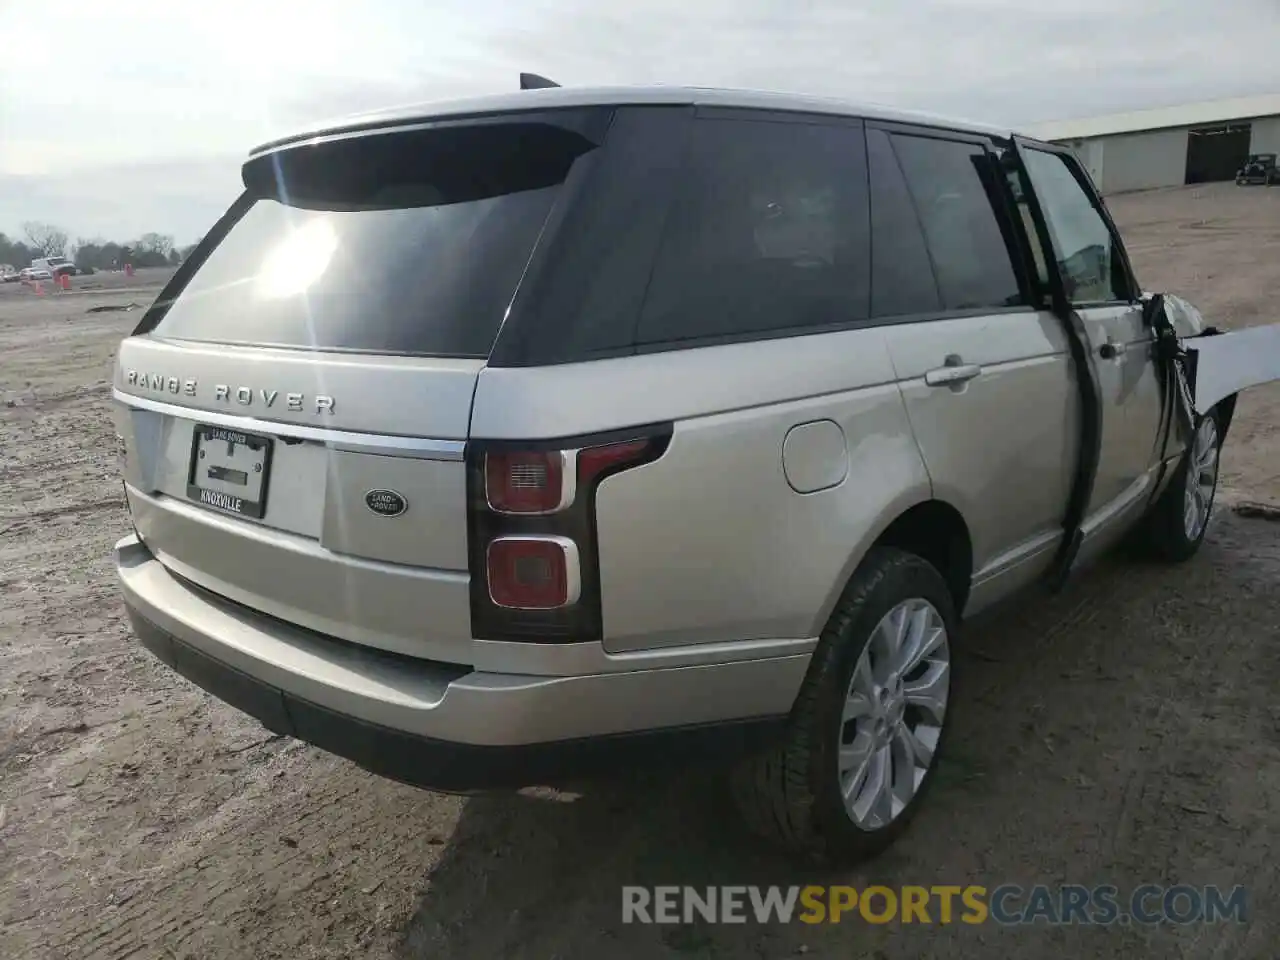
(1082, 244)
(587, 300)
(902, 280)
(956, 190)
(767, 231)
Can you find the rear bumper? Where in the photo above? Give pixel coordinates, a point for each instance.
(442, 726)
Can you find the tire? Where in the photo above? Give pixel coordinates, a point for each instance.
(1168, 533)
(792, 795)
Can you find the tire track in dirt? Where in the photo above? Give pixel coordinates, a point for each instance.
(1178, 783)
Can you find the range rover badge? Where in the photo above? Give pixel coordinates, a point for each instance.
(386, 503)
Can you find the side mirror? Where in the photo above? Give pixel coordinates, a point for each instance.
(1152, 307)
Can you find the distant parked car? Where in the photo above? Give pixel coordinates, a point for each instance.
(1260, 168)
(8, 274)
(55, 266)
(31, 274)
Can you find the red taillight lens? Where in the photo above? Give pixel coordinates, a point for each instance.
(594, 461)
(533, 558)
(527, 483)
(533, 572)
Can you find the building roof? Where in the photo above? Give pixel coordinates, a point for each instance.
(1189, 115)
(558, 97)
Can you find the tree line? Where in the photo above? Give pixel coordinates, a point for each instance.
(89, 254)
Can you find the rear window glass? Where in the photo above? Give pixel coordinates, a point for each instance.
(407, 243)
(766, 232)
(902, 280)
(954, 188)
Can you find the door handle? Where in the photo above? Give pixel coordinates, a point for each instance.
(955, 372)
(1112, 350)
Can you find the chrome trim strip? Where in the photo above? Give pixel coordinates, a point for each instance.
(1105, 515)
(385, 444)
(1016, 556)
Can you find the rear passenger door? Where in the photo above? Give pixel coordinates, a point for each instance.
(984, 369)
(1100, 288)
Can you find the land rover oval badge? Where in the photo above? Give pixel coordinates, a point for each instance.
(386, 503)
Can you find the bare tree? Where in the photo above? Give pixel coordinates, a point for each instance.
(155, 243)
(49, 240)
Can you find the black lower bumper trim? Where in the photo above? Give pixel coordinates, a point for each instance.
(445, 765)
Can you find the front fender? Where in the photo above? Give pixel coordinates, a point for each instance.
(1230, 362)
(1186, 318)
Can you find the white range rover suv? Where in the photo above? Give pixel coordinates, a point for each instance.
(496, 443)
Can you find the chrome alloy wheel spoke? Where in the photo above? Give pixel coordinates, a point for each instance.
(893, 713)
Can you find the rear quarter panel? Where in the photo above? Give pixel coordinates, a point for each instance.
(711, 542)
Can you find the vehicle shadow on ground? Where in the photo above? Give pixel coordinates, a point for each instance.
(541, 874)
(1026, 788)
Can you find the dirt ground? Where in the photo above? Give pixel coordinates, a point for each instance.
(1126, 731)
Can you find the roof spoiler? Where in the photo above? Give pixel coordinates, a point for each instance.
(531, 81)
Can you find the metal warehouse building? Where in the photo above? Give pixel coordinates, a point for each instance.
(1197, 143)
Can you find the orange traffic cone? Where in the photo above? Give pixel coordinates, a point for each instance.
(64, 281)
(39, 289)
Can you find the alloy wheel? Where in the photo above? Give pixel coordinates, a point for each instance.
(893, 713)
(1202, 479)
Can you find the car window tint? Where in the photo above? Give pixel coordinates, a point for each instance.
(954, 188)
(402, 243)
(767, 231)
(586, 299)
(1082, 243)
(902, 280)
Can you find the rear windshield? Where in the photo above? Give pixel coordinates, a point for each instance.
(404, 243)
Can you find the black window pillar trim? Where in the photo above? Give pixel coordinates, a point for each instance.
(1011, 227)
(509, 346)
(1090, 446)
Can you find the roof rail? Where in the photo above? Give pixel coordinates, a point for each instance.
(531, 81)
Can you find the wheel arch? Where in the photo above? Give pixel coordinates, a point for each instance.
(1225, 410)
(933, 530)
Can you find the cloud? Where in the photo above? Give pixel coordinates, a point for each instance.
(174, 81)
(998, 60)
(181, 198)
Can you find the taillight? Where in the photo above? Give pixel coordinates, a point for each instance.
(529, 483)
(595, 462)
(531, 526)
(533, 572)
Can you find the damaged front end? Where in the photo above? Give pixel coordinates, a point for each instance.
(1203, 367)
(1228, 363)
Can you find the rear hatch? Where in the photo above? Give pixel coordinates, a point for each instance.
(293, 408)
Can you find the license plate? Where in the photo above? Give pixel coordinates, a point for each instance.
(229, 470)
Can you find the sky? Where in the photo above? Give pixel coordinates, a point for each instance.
(116, 120)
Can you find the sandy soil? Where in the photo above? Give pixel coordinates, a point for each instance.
(1125, 731)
